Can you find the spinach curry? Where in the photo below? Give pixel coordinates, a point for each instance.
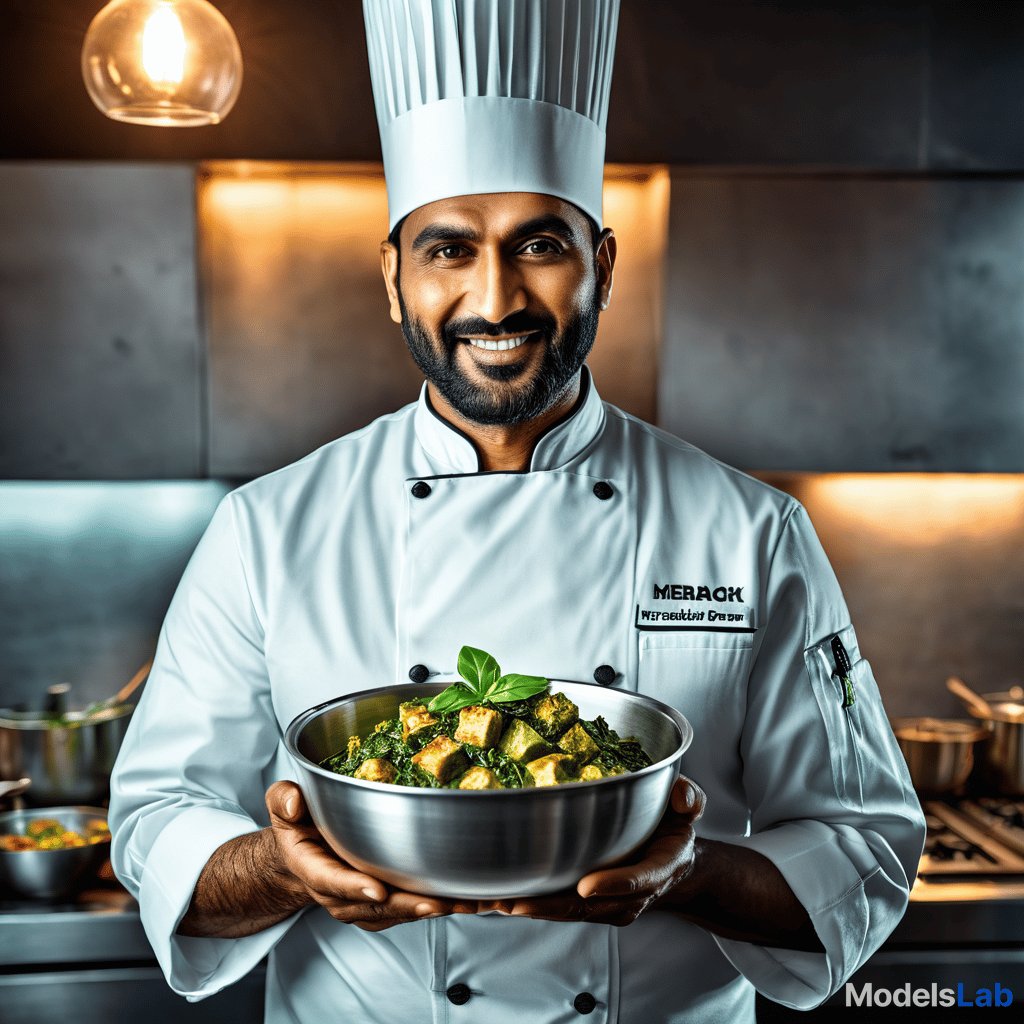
(489, 731)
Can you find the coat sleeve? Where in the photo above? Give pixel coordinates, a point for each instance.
(832, 805)
(192, 770)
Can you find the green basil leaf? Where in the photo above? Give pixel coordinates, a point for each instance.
(515, 687)
(454, 698)
(478, 668)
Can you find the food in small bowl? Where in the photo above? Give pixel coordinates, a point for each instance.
(48, 852)
(486, 843)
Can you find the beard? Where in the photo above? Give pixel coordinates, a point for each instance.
(505, 400)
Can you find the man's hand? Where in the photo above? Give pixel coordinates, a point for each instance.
(619, 895)
(255, 881)
(311, 868)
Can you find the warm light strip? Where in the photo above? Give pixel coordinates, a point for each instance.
(917, 509)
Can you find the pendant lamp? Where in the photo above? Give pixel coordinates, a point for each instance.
(162, 62)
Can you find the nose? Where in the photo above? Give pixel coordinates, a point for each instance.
(497, 288)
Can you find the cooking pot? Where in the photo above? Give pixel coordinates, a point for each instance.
(69, 758)
(939, 752)
(1003, 756)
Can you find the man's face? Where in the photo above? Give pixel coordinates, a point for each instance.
(498, 297)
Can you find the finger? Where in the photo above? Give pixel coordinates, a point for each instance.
(324, 875)
(285, 801)
(663, 860)
(502, 906)
(618, 912)
(551, 908)
(399, 908)
(688, 798)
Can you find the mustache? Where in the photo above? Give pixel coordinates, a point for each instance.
(517, 323)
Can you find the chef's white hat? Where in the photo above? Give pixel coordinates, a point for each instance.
(479, 96)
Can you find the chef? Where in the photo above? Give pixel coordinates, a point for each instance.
(510, 509)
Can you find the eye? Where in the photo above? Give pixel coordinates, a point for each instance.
(450, 252)
(540, 247)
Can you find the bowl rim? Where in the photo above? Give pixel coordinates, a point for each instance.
(33, 721)
(521, 792)
(34, 813)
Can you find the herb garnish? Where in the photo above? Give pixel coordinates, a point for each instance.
(482, 682)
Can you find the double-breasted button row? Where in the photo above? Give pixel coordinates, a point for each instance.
(604, 674)
(460, 994)
(603, 490)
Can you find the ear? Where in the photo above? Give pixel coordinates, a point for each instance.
(389, 264)
(604, 259)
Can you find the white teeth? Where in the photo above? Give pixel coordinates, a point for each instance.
(497, 346)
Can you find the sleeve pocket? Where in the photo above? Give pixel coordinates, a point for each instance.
(842, 712)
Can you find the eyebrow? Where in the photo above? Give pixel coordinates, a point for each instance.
(545, 224)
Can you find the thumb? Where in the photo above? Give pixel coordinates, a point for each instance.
(285, 801)
(687, 798)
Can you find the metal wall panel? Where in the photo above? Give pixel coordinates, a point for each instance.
(932, 569)
(781, 83)
(846, 323)
(976, 86)
(100, 356)
(302, 349)
(87, 571)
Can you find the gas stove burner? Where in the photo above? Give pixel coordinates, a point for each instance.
(973, 838)
(1011, 811)
(952, 847)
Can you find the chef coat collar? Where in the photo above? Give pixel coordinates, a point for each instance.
(562, 441)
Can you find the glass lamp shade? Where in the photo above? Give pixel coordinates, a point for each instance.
(162, 62)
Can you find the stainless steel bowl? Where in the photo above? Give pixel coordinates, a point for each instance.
(486, 844)
(50, 874)
(69, 762)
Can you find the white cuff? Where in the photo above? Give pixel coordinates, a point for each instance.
(196, 967)
(817, 864)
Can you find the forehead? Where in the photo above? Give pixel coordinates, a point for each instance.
(495, 214)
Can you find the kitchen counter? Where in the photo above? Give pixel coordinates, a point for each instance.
(88, 960)
(92, 951)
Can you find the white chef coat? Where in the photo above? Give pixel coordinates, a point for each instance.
(697, 584)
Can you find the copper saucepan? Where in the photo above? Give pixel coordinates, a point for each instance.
(939, 752)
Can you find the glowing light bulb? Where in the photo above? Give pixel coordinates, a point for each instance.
(162, 62)
(163, 48)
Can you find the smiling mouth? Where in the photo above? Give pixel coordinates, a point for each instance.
(500, 344)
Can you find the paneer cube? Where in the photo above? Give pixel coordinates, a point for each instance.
(578, 742)
(376, 769)
(553, 713)
(414, 717)
(522, 743)
(550, 770)
(480, 778)
(443, 758)
(597, 771)
(480, 727)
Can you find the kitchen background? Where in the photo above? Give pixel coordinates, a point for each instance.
(821, 223)
(820, 210)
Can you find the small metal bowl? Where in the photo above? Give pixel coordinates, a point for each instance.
(486, 844)
(50, 874)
